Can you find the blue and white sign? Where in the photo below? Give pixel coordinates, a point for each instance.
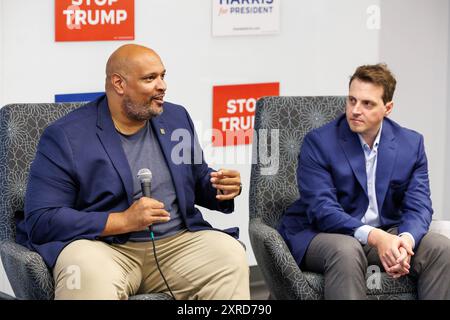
(245, 17)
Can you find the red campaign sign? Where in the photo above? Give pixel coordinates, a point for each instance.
(234, 111)
(93, 20)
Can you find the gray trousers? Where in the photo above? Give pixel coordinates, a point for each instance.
(344, 261)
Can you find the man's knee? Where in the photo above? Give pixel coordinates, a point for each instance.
(436, 246)
(348, 255)
(231, 251)
(230, 279)
(84, 271)
(83, 255)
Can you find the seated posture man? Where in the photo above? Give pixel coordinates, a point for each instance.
(85, 212)
(365, 198)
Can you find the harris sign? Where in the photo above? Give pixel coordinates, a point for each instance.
(245, 17)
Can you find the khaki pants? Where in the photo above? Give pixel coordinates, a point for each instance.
(197, 265)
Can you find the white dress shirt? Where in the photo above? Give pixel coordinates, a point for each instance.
(371, 218)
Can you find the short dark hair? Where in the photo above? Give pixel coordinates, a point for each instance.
(378, 74)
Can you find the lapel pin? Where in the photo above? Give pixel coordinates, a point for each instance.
(162, 131)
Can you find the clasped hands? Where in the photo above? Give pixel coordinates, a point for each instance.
(395, 252)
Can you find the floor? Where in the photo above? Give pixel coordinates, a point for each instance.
(259, 292)
(258, 288)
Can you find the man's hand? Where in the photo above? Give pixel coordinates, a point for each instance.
(402, 267)
(142, 213)
(395, 252)
(405, 257)
(145, 212)
(227, 182)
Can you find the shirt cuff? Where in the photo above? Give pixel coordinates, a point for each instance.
(411, 236)
(362, 233)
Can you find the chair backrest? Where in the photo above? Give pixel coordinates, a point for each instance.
(21, 126)
(280, 126)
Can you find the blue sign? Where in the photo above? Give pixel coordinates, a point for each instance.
(78, 97)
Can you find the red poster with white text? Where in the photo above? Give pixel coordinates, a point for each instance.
(94, 20)
(234, 111)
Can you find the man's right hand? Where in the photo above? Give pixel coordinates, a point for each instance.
(142, 213)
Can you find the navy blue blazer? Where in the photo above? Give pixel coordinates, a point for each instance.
(81, 174)
(332, 182)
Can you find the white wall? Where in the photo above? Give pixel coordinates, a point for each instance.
(447, 158)
(4, 284)
(311, 55)
(414, 42)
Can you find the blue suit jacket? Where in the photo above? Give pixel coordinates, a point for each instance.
(332, 182)
(81, 174)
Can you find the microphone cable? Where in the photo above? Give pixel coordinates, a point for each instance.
(157, 262)
(145, 177)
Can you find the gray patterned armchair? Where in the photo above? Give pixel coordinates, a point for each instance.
(280, 125)
(21, 126)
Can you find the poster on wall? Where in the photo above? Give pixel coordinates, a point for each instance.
(245, 17)
(234, 111)
(94, 20)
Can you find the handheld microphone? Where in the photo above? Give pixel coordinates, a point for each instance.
(145, 177)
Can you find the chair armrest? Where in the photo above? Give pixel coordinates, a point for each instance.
(27, 273)
(282, 274)
(441, 226)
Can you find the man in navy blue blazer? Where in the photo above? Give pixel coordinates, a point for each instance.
(85, 212)
(365, 198)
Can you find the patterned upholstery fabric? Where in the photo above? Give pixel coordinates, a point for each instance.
(153, 296)
(29, 276)
(280, 126)
(21, 126)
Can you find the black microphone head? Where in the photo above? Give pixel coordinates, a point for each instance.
(144, 175)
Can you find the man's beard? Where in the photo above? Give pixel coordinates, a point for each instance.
(140, 111)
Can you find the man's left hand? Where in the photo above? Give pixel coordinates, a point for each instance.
(227, 182)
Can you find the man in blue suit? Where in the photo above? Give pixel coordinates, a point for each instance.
(85, 212)
(365, 198)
